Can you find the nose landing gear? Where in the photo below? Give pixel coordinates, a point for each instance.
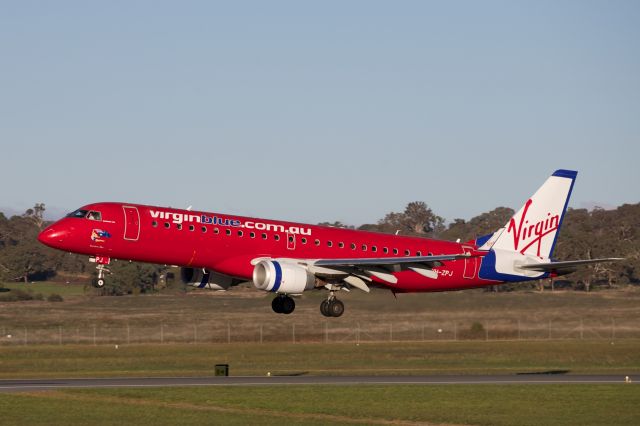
(101, 266)
(100, 281)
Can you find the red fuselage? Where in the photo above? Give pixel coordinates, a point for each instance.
(228, 244)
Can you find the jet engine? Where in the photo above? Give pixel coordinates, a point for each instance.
(205, 278)
(282, 277)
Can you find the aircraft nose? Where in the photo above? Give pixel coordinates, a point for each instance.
(53, 236)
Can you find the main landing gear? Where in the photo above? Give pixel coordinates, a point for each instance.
(283, 304)
(332, 307)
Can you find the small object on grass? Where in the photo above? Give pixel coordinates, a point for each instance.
(222, 369)
(116, 346)
(8, 336)
(439, 330)
(627, 379)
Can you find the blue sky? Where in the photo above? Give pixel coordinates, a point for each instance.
(306, 111)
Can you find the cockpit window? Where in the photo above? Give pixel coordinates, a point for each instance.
(89, 214)
(78, 213)
(94, 215)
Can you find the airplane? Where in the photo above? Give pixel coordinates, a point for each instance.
(217, 251)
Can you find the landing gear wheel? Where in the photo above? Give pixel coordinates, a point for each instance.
(336, 308)
(324, 308)
(283, 305)
(276, 305)
(288, 305)
(100, 282)
(332, 307)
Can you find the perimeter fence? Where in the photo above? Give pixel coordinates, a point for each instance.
(326, 331)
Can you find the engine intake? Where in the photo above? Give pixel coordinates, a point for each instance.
(282, 277)
(205, 278)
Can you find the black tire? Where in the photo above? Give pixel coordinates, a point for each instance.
(288, 305)
(336, 308)
(98, 282)
(324, 308)
(276, 304)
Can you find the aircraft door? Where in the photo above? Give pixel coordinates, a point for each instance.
(470, 265)
(131, 223)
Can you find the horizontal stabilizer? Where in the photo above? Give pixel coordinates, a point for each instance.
(567, 266)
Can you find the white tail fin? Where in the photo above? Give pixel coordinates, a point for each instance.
(530, 235)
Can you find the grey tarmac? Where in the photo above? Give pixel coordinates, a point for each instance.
(22, 385)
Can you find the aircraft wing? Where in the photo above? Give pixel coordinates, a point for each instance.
(431, 261)
(360, 270)
(567, 266)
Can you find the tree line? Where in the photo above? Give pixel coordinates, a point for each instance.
(585, 234)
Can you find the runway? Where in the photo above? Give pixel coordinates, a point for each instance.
(22, 385)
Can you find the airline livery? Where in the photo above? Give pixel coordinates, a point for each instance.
(217, 251)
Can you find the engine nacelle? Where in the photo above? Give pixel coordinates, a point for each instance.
(205, 278)
(282, 277)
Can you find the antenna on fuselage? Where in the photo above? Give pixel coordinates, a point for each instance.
(189, 208)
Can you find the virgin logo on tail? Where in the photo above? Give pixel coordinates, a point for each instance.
(530, 234)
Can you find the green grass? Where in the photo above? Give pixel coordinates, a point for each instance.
(620, 357)
(498, 405)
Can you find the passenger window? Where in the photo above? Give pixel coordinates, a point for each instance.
(341, 244)
(291, 238)
(395, 251)
(304, 240)
(276, 237)
(154, 223)
(264, 236)
(252, 234)
(192, 228)
(329, 244)
(374, 248)
(418, 253)
(228, 232)
(317, 242)
(407, 252)
(179, 226)
(364, 247)
(385, 250)
(353, 246)
(240, 233)
(167, 225)
(216, 231)
(204, 229)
